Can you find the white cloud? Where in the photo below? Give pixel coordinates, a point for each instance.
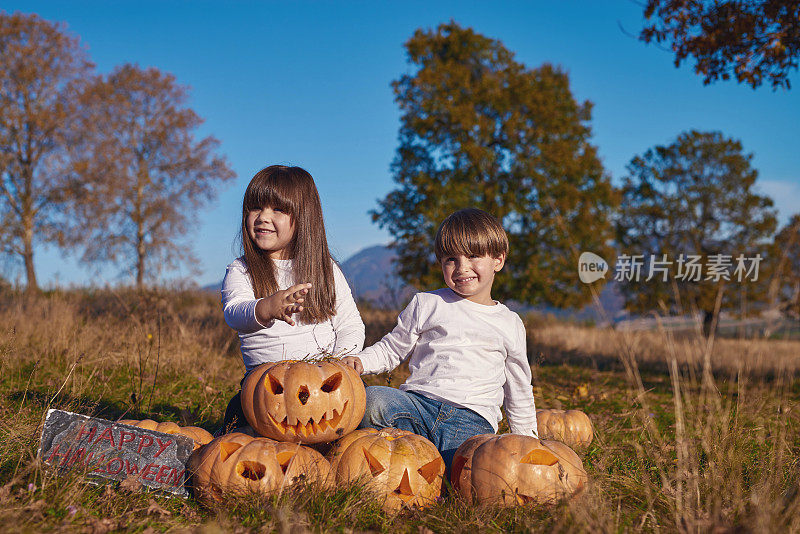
(786, 196)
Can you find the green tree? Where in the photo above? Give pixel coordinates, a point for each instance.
(754, 41)
(142, 176)
(479, 129)
(695, 197)
(40, 68)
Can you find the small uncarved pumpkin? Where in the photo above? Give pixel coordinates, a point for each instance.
(238, 464)
(398, 466)
(512, 469)
(572, 427)
(303, 402)
(199, 435)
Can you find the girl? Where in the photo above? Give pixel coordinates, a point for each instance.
(285, 295)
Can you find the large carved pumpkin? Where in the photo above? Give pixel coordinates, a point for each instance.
(238, 464)
(513, 469)
(399, 466)
(199, 435)
(572, 427)
(303, 402)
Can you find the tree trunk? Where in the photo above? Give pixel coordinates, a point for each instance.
(140, 262)
(139, 220)
(708, 319)
(27, 255)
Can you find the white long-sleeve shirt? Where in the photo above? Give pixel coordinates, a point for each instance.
(463, 353)
(277, 341)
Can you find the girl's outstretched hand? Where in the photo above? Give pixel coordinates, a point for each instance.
(282, 304)
(354, 362)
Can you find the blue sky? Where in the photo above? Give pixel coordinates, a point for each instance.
(307, 83)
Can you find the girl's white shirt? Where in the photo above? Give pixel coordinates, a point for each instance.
(463, 353)
(341, 335)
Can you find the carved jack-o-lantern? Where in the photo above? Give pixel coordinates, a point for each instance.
(238, 464)
(513, 469)
(303, 402)
(199, 435)
(403, 468)
(572, 427)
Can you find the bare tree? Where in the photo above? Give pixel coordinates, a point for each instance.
(40, 68)
(140, 172)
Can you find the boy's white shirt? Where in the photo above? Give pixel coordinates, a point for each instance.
(277, 341)
(463, 353)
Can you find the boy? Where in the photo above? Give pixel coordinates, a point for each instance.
(467, 351)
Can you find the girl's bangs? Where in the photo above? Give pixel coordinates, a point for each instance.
(263, 193)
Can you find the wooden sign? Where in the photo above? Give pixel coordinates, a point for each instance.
(106, 449)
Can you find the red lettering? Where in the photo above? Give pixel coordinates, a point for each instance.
(141, 443)
(132, 469)
(66, 456)
(125, 436)
(146, 472)
(55, 454)
(176, 477)
(99, 464)
(162, 473)
(108, 466)
(162, 446)
(77, 457)
(82, 432)
(107, 435)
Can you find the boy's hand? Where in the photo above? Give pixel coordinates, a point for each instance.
(354, 362)
(282, 304)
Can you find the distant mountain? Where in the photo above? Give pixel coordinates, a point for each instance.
(373, 277)
(214, 288)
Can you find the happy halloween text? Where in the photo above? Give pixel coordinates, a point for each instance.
(102, 451)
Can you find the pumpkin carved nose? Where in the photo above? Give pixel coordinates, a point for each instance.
(404, 490)
(302, 394)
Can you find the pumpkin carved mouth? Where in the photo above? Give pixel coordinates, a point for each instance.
(311, 426)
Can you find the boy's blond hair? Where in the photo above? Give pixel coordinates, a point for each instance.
(470, 231)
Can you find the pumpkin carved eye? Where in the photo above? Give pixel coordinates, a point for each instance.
(332, 383)
(430, 470)
(226, 449)
(275, 385)
(375, 467)
(539, 457)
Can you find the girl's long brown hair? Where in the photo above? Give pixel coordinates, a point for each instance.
(292, 190)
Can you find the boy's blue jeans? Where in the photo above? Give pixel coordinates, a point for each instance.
(447, 426)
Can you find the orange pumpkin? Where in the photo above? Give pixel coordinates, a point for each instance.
(572, 427)
(402, 468)
(199, 435)
(238, 464)
(513, 469)
(303, 402)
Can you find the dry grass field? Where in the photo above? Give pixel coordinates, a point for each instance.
(691, 435)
